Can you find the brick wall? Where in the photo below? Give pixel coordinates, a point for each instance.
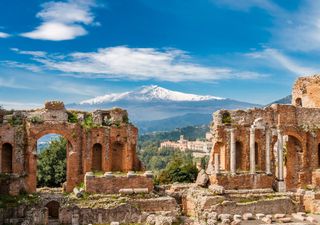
(242, 181)
(112, 185)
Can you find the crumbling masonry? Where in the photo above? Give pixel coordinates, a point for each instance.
(277, 146)
(100, 141)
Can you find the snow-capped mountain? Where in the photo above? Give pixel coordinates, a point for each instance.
(152, 105)
(150, 93)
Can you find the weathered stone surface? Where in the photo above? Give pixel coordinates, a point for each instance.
(224, 217)
(259, 216)
(217, 189)
(108, 143)
(247, 216)
(285, 220)
(279, 215)
(267, 219)
(202, 179)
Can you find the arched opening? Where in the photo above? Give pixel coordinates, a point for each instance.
(298, 102)
(319, 155)
(256, 154)
(53, 209)
(117, 155)
(6, 158)
(96, 157)
(220, 149)
(51, 160)
(238, 155)
(293, 160)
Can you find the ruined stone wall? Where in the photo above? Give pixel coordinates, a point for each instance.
(298, 125)
(113, 184)
(305, 92)
(243, 181)
(107, 130)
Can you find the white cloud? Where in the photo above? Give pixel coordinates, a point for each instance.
(139, 64)
(28, 66)
(300, 30)
(63, 20)
(4, 35)
(275, 57)
(246, 5)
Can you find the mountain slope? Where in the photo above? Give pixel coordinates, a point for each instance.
(150, 93)
(285, 100)
(174, 122)
(152, 107)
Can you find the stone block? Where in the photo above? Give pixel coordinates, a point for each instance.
(285, 220)
(140, 190)
(259, 216)
(126, 191)
(279, 215)
(247, 216)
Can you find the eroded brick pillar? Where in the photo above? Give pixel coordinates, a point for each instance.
(216, 163)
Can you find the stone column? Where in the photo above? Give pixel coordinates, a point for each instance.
(281, 186)
(280, 156)
(252, 151)
(232, 152)
(216, 163)
(268, 140)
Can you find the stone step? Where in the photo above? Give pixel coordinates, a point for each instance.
(53, 222)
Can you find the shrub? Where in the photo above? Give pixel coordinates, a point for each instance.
(180, 169)
(72, 117)
(226, 118)
(36, 119)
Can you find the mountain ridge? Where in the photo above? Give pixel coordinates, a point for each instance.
(150, 93)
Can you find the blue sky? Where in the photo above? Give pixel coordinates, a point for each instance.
(71, 50)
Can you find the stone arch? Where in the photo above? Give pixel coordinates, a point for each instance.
(117, 156)
(239, 152)
(6, 158)
(53, 209)
(72, 166)
(96, 164)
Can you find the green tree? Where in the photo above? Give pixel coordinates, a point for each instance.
(180, 168)
(52, 164)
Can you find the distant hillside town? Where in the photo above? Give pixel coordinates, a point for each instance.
(198, 148)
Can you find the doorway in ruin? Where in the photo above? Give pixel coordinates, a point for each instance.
(293, 161)
(96, 157)
(51, 160)
(53, 209)
(239, 150)
(256, 155)
(220, 149)
(6, 158)
(117, 156)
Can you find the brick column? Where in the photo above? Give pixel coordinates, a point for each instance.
(216, 163)
(252, 151)
(232, 152)
(268, 136)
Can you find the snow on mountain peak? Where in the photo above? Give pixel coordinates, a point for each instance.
(149, 93)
